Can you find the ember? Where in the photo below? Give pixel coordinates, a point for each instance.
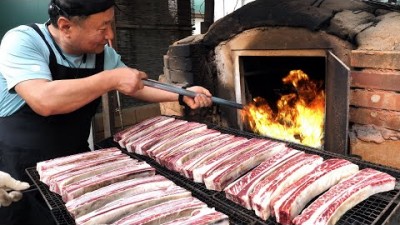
(299, 116)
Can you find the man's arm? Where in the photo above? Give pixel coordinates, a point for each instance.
(203, 99)
(70, 95)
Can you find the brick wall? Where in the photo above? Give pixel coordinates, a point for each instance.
(144, 31)
(369, 46)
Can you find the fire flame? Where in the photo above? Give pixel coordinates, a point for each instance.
(299, 117)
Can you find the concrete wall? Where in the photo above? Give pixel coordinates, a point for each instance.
(17, 12)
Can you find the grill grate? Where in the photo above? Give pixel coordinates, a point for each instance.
(53, 200)
(201, 192)
(373, 210)
(370, 211)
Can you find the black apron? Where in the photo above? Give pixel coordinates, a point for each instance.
(27, 138)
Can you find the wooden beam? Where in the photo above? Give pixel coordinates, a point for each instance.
(208, 16)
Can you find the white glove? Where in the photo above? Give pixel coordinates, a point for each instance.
(7, 183)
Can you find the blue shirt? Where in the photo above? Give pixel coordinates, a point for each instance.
(25, 56)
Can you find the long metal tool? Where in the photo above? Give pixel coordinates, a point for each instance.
(179, 90)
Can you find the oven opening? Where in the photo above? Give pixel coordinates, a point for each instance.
(285, 97)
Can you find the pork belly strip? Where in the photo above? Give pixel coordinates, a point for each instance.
(295, 197)
(121, 207)
(202, 216)
(225, 174)
(132, 142)
(190, 165)
(140, 127)
(197, 151)
(48, 164)
(163, 212)
(134, 128)
(181, 146)
(57, 183)
(222, 165)
(81, 187)
(98, 198)
(146, 130)
(330, 206)
(78, 165)
(272, 185)
(186, 132)
(209, 165)
(175, 160)
(239, 191)
(158, 139)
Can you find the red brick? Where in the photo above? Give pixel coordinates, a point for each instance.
(375, 59)
(375, 99)
(388, 81)
(382, 118)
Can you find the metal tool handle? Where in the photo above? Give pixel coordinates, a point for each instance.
(179, 90)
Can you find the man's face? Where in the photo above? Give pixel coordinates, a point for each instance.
(91, 34)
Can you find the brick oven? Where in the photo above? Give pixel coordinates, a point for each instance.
(352, 47)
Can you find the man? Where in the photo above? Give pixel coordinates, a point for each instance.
(51, 79)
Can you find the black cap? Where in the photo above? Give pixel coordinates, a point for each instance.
(83, 7)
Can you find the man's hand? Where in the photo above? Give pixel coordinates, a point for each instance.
(129, 80)
(202, 99)
(7, 183)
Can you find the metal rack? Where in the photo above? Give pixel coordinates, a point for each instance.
(374, 210)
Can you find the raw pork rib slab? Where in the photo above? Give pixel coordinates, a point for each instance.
(231, 170)
(273, 184)
(41, 167)
(79, 188)
(141, 128)
(157, 141)
(159, 125)
(179, 135)
(69, 168)
(121, 207)
(180, 144)
(295, 197)
(173, 147)
(58, 183)
(189, 166)
(163, 212)
(133, 143)
(201, 171)
(98, 198)
(240, 190)
(174, 161)
(203, 216)
(330, 206)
